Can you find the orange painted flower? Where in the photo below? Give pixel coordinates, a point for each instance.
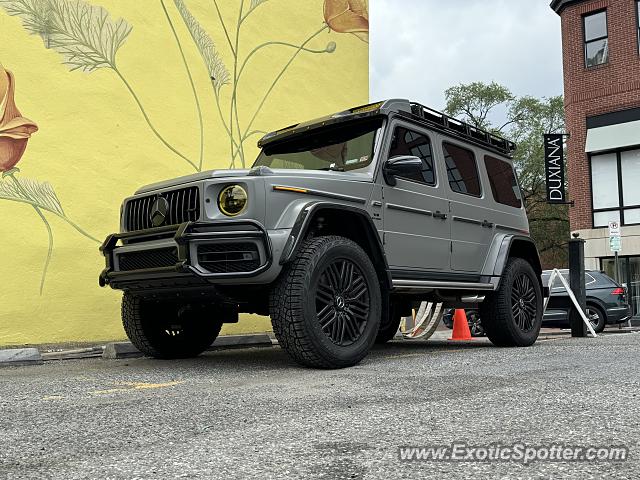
(348, 16)
(15, 130)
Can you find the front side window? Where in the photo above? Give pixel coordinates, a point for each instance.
(342, 147)
(462, 170)
(408, 142)
(596, 39)
(614, 186)
(502, 179)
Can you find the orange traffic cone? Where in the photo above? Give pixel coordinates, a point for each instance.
(460, 326)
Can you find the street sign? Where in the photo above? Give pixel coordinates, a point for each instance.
(614, 229)
(554, 167)
(615, 244)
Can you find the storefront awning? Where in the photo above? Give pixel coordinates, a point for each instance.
(613, 137)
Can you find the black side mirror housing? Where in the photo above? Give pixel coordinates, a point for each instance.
(404, 166)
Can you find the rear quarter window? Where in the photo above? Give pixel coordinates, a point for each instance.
(502, 179)
(462, 170)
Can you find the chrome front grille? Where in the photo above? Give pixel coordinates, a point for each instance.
(184, 206)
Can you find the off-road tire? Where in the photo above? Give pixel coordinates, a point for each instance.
(293, 304)
(497, 311)
(166, 329)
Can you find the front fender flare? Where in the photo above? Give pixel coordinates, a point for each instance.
(303, 223)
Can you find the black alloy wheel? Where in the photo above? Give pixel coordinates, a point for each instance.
(326, 306)
(342, 302)
(512, 314)
(523, 302)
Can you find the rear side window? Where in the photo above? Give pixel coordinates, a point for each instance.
(407, 142)
(504, 185)
(462, 170)
(557, 284)
(604, 280)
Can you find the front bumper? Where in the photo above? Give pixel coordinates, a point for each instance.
(184, 255)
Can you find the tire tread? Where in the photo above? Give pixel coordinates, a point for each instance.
(286, 302)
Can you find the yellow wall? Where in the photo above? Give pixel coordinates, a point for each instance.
(94, 146)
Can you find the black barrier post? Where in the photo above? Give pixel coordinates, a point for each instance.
(577, 284)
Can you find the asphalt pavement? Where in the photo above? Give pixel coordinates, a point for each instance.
(252, 413)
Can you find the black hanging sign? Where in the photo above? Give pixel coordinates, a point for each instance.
(554, 167)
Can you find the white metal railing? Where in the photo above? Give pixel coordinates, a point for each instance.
(555, 273)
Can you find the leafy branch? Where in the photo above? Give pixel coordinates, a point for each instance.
(191, 82)
(37, 194)
(40, 195)
(221, 76)
(82, 33)
(298, 50)
(254, 4)
(85, 35)
(218, 73)
(42, 198)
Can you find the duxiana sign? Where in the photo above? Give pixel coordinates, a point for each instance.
(554, 167)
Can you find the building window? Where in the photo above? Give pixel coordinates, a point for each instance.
(408, 142)
(502, 179)
(462, 170)
(596, 39)
(614, 185)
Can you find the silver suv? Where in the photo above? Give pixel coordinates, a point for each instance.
(342, 225)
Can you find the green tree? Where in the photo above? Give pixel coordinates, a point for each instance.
(526, 120)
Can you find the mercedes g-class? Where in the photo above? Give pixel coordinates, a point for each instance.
(341, 226)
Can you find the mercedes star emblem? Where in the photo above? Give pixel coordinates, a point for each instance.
(159, 211)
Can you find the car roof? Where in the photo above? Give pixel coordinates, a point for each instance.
(403, 108)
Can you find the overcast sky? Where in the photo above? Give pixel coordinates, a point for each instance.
(421, 47)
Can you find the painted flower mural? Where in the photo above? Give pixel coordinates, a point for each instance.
(15, 129)
(89, 38)
(348, 16)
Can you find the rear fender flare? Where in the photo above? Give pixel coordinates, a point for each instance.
(516, 246)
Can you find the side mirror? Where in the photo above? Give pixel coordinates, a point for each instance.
(405, 166)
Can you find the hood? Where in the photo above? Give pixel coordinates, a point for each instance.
(174, 182)
(237, 173)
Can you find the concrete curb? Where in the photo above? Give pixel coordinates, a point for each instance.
(20, 356)
(73, 354)
(120, 350)
(241, 341)
(117, 350)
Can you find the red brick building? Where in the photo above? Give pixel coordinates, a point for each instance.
(601, 59)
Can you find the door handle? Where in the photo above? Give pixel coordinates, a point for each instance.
(440, 215)
(487, 224)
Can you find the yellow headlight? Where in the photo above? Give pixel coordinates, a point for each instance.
(232, 200)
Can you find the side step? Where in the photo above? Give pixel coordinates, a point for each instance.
(421, 285)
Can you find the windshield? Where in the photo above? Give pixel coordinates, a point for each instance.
(341, 147)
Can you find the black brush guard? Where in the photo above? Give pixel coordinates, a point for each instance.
(182, 235)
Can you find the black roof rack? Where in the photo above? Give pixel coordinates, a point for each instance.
(457, 128)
